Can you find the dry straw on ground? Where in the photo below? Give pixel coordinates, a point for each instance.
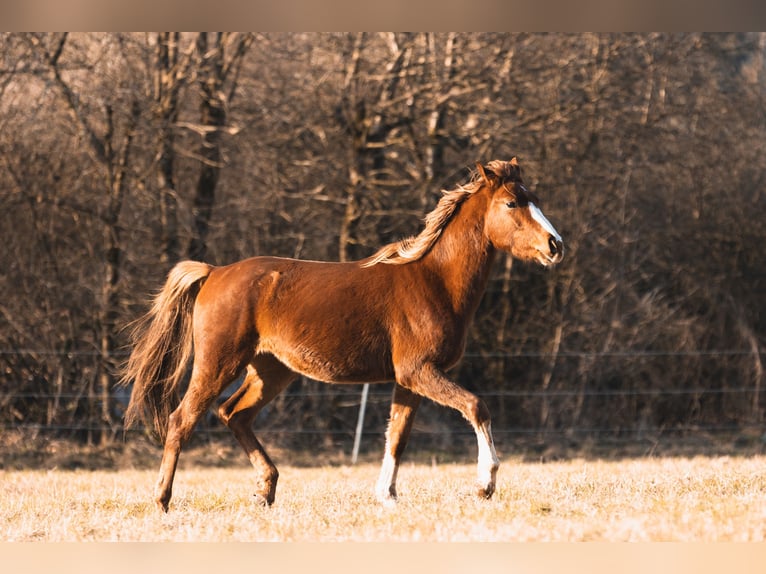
(679, 499)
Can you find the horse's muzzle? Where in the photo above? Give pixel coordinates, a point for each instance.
(556, 247)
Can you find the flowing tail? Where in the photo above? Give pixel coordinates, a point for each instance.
(162, 348)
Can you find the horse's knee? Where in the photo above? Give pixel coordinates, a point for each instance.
(479, 412)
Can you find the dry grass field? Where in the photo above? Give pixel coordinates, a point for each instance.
(652, 499)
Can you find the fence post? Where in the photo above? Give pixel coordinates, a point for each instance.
(360, 423)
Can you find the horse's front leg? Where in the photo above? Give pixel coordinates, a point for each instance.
(488, 463)
(403, 407)
(430, 382)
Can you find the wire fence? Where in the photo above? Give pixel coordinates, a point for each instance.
(350, 397)
(489, 355)
(211, 428)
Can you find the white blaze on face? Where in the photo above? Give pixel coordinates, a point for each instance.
(538, 216)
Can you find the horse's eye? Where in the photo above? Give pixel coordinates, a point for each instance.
(512, 204)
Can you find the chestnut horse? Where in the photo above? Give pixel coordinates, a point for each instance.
(401, 315)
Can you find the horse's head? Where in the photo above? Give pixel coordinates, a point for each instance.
(514, 222)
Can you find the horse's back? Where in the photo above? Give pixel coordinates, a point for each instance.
(324, 320)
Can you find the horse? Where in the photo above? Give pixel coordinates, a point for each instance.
(400, 315)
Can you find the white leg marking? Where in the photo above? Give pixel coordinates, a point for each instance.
(488, 461)
(538, 216)
(385, 489)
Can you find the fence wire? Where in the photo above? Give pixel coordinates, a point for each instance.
(351, 396)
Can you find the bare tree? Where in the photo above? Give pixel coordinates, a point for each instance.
(171, 69)
(118, 152)
(111, 150)
(220, 57)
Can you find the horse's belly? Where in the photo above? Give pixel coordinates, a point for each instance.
(331, 363)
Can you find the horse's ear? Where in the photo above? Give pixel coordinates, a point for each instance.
(488, 177)
(514, 162)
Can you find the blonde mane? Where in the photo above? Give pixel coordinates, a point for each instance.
(413, 248)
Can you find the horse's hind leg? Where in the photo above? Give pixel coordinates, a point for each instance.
(266, 378)
(403, 408)
(204, 387)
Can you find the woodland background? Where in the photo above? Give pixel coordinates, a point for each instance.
(121, 154)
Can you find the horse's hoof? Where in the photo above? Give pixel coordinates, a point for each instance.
(386, 495)
(486, 492)
(388, 502)
(386, 498)
(263, 501)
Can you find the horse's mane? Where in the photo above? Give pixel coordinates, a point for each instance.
(413, 248)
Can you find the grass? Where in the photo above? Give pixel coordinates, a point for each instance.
(652, 499)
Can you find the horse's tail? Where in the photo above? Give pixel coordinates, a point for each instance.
(162, 347)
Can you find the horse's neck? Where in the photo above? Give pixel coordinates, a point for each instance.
(462, 257)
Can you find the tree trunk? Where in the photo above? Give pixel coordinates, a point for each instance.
(212, 119)
(117, 166)
(216, 63)
(167, 83)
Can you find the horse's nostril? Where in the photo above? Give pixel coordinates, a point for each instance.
(553, 245)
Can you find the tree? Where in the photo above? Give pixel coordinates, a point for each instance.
(219, 63)
(110, 149)
(122, 151)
